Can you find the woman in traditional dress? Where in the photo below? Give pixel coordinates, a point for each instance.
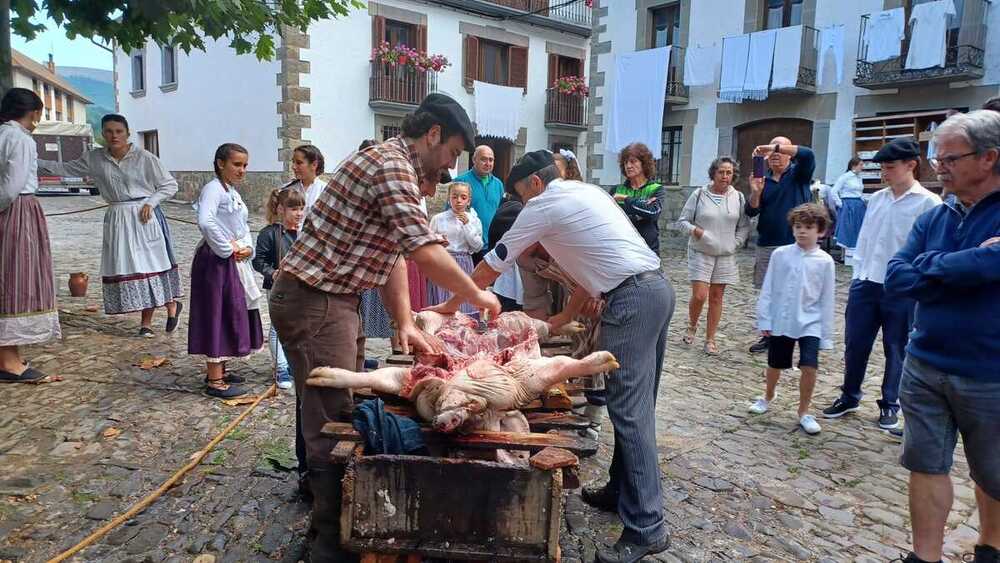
(138, 268)
(846, 196)
(28, 312)
(461, 226)
(225, 317)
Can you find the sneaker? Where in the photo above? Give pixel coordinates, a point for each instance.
(600, 497)
(895, 434)
(887, 418)
(371, 364)
(985, 554)
(839, 408)
(761, 345)
(809, 424)
(146, 332)
(912, 558)
(283, 380)
(626, 552)
(760, 406)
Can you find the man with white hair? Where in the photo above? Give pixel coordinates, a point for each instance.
(487, 191)
(951, 375)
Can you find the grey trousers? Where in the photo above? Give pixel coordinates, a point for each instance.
(634, 329)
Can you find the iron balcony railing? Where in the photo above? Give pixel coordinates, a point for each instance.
(565, 109)
(577, 13)
(677, 92)
(808, 56)
(400, 84)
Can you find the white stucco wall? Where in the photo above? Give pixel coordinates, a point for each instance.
(220, 97)
(24, 80)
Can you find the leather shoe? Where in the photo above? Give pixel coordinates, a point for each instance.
(600, 497)
(626, 552)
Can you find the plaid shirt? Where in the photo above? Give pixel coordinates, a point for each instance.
(369, 212)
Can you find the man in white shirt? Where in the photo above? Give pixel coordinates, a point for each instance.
(593, 241)
(890, 215)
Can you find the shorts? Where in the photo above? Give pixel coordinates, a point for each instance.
(762, 258)
(712, 269)
(780, 348)
(938, 406)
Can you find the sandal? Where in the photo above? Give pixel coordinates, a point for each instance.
(689, 334)
(227, 392)
(173, 321)
(711, 348)
(230, 378)
(29, 375)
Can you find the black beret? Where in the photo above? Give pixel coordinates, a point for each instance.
(452, 114)
(526, 166)
(903, 148)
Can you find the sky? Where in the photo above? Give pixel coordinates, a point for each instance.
(66, 52)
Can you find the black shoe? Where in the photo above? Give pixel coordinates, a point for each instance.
(229, 392)
(173, 321)
(231, 378)
(912, 558)
(600, 497)
(625, 552)
(985, 554)
(839, 408)
(887, 419)
(146, 332)
(29, 375)
(761, 346)
(895, 434)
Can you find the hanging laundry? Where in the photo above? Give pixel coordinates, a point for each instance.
(929, 38)
(831, 45)
(787, 57)
(884, 35)
(699, 65)
(735, 52)
(932, 145)
(759, 64)
(640, 92)
(498, 110)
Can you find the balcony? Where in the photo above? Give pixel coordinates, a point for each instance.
(573, 17)
(805, 77)
(964, 56)
(399, 87)
(565, 111)
(677, 92)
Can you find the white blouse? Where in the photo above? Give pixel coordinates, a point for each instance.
(797, 298)
(19, 158)
(222, 217)
(467, 238)
(139, 175)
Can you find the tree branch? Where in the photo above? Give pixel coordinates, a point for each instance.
(102, 46)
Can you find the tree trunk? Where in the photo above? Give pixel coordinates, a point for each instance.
(6, 72)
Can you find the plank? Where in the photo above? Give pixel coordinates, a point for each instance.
(540, 421)
(553, 458)
(342, 451)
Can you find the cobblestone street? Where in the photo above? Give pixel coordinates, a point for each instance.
(77, 452)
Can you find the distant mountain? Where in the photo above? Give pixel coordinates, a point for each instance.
(96, 84)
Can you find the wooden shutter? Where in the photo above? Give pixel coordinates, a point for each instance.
(378, 30)
(518, 71)
(422, 38)
(471, 60)
(553, 70)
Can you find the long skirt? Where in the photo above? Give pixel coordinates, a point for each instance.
(374, 317)
(220, 327)
(437, 295)
(138, 268)
(28, 313)
(849, 220)
(418, 286)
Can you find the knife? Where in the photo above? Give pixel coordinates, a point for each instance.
(483, 319)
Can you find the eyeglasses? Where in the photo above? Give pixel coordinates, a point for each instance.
(949, 161)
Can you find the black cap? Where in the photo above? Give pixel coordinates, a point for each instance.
(451, 113)
(526, 166)
(904, 148)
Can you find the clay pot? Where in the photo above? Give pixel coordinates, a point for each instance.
(78, 284)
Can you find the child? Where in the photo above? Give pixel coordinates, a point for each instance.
(796, 305)
(460, 225)
(285, 210)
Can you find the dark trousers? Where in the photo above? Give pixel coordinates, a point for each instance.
(508, 305)
(300, 441)
(868, 310)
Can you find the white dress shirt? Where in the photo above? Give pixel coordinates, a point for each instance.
(222, 217)
(886, 227)
(584, 231)
(462, 238)
(18, 163)
(798, 295)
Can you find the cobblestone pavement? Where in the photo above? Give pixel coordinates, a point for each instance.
(77, 452)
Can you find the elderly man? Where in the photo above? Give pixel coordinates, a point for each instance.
(890, 215)
(574, 222)
(487, 191)
(951, 376)
(786, 187)
(368, 215)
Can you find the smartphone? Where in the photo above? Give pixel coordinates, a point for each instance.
(758, 167)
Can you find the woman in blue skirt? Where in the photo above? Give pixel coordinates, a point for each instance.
(846, 196)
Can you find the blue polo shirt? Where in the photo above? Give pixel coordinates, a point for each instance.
(486, 196)
(781, 197)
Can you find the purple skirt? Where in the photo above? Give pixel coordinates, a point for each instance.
(437, 295)
(220, 327)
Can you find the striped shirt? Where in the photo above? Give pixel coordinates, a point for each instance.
(368, 213)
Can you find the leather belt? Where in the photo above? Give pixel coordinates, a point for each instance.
(634, 279)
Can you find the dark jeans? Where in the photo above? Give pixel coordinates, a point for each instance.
(868, 310)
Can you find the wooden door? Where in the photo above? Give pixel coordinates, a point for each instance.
(503, 154)
(757, 133)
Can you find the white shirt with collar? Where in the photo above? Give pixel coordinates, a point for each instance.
(797, 298)
(886, 226)
(19, 172)
(584, 231)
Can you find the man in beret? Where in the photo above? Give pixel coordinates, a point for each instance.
(890, 215)
(352, 240)
(594, 242)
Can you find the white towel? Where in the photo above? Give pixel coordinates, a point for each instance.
(759, 63)
(884, 35)
(250, 288)
(929, 38)
(699, 65)
(735, 52)
(640, 91)
(498, 110)
(787, 57)
(831, 44)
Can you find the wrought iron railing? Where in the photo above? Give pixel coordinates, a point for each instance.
(401, 84)
(808, 58)
(573, 12)
(675, 75)
(565, 109)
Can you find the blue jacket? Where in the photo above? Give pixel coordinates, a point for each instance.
(957, 288)
(486, 198)
(781, 197)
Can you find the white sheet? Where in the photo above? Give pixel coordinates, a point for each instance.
(735, 52)
(498, 110)
(640, 90)
(759, 64)
(929, 39)
(884, 34)
(787, 57)
(831, 44)
(699, 65)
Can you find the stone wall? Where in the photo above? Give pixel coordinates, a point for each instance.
(255, 189)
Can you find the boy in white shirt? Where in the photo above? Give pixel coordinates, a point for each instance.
(796, 305)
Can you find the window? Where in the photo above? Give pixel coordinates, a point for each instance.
(168, 58)
(151, 141)
(69, 110)
(666, 28)
(668, 168)
(782, 13)
(390, 131)
(138, 72)
(494, 62)
(399, 33)
(35, 87)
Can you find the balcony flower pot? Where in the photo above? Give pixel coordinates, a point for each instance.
(78, 284)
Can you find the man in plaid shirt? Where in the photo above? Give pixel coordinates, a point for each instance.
(351, 241)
